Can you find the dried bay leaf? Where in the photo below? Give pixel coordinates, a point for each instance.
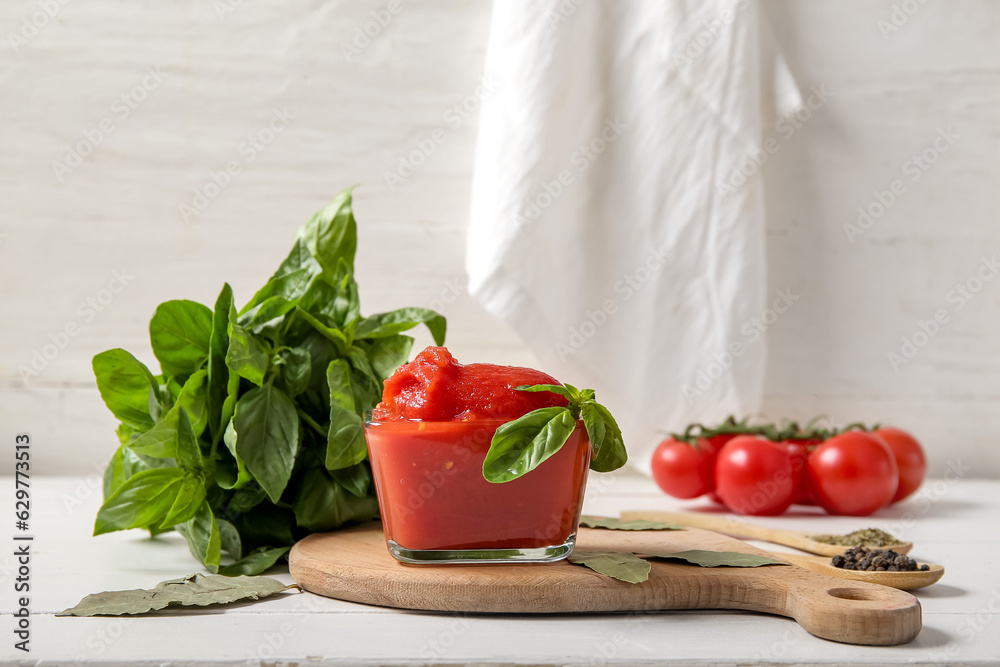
(620, 565)
(704, 558)
(610, 523)
(193, 590)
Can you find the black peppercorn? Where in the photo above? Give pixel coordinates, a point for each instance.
(876, 560)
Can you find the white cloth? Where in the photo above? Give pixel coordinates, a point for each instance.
(600, 231)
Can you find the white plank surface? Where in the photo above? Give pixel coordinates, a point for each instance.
(222, 78)
(960, 612)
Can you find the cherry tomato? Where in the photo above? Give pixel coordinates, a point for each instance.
(755, 476)
(799, 449)
(853, 474)
(683, 470)
(910, 460)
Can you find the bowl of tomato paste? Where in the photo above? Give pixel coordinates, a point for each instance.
(428, 440)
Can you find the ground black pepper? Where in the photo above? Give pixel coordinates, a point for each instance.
(876, 560)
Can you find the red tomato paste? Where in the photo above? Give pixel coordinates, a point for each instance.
(427, 444)
(434, 387)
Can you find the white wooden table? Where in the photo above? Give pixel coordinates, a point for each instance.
(952, 522)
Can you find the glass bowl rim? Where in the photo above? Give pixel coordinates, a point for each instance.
(368, 421)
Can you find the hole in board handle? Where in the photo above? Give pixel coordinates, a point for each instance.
(859, 594)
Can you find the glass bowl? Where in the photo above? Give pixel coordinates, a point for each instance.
(437, 508)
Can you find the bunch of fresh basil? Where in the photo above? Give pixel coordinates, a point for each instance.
(252, 435)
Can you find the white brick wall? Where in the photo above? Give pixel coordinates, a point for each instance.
(200, 77)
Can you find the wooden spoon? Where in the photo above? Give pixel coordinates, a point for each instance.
(905, 581)
(733, 526)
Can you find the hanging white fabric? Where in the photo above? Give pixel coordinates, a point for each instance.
(614, 225)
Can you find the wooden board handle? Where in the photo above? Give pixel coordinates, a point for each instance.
(853, 611)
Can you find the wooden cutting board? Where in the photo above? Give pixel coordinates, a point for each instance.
(354, 565)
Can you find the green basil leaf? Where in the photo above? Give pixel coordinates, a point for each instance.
(355, 479)
(134, 462)
(522, 445)
(365, 384)
(242, 501)
(323, 504)
(193, 399)
(266, 311)
(203, 537)
(296, 370)
(564, 391)
(291, 280)
(620, 565)
(229, 404)
(397, 321)
(359, 362)
(609, 523)
(142, 500)
(609, 448)
(346, 439)
(704, 558)
(267, 429)
(126, 386)
(230, 539)
(181, 332)
(188, 452)
(161, 440)
(190, 496)
(346, 307)
(242, 477)
(335, 336)
(331, 234)
(596, 428)
(217, 371)
(387, 354)
(247, 356)
(264, 525)
(126, 433)
(336, 298)
(255, 562)
(114, 474)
